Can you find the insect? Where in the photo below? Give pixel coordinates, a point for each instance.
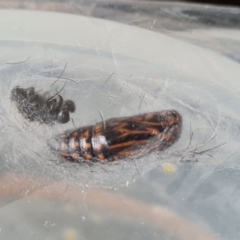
(38, 107)
(119, 138)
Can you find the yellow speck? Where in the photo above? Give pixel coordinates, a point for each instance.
(221, 159)
(168, 168)
(155, 79)
(70, 234)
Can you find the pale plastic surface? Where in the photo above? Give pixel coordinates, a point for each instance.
(121, 70)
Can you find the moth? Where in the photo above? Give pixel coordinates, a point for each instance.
(40, 107)
(120, 138)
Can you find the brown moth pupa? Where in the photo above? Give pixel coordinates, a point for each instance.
(120, 138)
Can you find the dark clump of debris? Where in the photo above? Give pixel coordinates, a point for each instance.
(39, 107)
